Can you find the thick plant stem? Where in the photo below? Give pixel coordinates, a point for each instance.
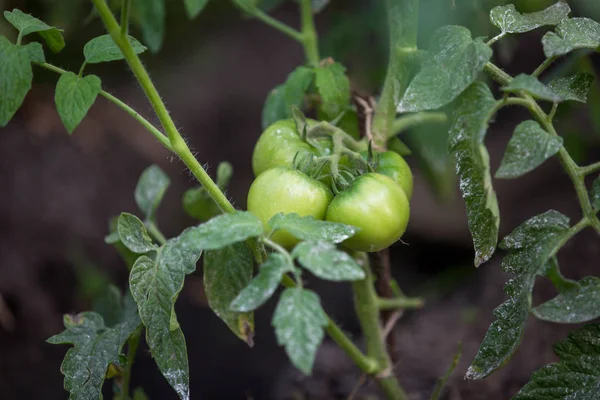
(132, 346)
(403, 17)
(367, 311)
(178, 145)
(309, 33)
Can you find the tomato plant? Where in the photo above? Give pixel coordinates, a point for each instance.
(319, 205)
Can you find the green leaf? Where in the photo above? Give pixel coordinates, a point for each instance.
(595, 194)
(113, 239)
(531, 85)
(269, 5)
(198, 204)
(467, 133)
(579, 304)
(112, 306)
(575, 87)
(296, 86)
(35, 51)
(299, 320)
(275, 107)
(150, 189)
(155, 285)
(151, 15)
(308, 228)
(104, 49)
(334, 88)
(74, 96)
(530, 247)
(226, 229)
(26, 24)
(575, 376)
(193, 8)
(572, 34)
(319, 5)
(226, 272)
(15, 79)
(452, 64)
(327, 262)
(95, 346)
(262, 287)
(133, 234)
(528, 148)
(509, 20)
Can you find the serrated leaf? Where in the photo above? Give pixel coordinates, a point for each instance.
(15, 79)
(575, 376)
(572, 34)
(226, 229)
(575, 87)
(95, 346)
(309, 228)
(452, 64)
(104, 49)
(74, 96)
(227, 271)
(579, 304)
(133, 234)
(532, 86)
(299, 320)
(466, 144)
(193, 8)
(26, 24)
(327, 262)
(35, 52)
(262, 287)
(296, 86)
(530, 247)
(150, 189)
(595, 194)
(509, 20)
(528, 148)
(151, 15)
(275, 107)
(155, 286)
(334, 88)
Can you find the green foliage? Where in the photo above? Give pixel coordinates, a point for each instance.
(299, 320)
(532, 86)
(198, 204)
(530, 247)
(452, 64)
(227, 271)
(574, 88)
(509, 20)
(36, 52)
(309, 228)
(226, 229)
(262, 287)
(275, 107)
(575, 376)
(319, 5)
(15, 78)
(193, 8)
(133, 234)
(151, 15)
(26, 24)
(578, 302)
(74, 96)
(150, 190)
(528, 148)
(95, 346)
(572, 34)
(467, 133)
(325, 261)
(334, 88)
(104, 49)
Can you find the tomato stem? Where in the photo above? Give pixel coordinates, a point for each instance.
(132, 346)
(125, 7)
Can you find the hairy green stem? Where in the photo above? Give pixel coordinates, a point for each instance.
(589, 169)
(125, 7)
(406, 122)
(276, 24)
(155, 232)
(399, 303)
(132, 346)
(495, 39)
(309, 33)
(543, 66)
(144, 122)
(403, 19)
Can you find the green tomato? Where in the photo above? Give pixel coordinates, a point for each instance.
(278, 145)
(286, 190)
(377, 205)
(393, 165)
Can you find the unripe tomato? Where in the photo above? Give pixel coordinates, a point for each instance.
(377, 205)
(393, 165)
(278, 145)
(286, 190)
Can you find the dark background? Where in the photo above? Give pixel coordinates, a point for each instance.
(57, 194)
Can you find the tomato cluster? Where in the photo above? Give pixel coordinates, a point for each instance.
(375, 201)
